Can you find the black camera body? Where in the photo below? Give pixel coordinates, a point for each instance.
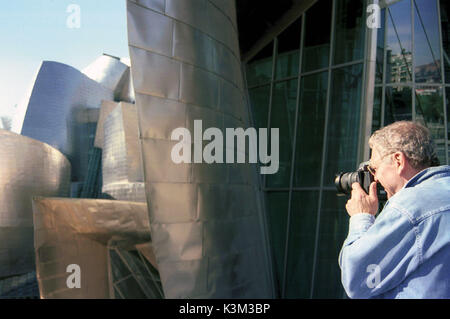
(362, 176)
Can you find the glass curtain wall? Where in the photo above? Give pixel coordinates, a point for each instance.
(412, 82)
(308, 83)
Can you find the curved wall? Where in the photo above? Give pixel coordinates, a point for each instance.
(206, 219)
(121, 156)
(59, 95)
(27, 168)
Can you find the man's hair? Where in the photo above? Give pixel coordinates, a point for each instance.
(411, 138)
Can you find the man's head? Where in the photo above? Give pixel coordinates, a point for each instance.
(399, 151)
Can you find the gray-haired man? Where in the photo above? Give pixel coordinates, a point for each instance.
(405, 251)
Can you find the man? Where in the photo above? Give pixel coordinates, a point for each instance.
(405, 251)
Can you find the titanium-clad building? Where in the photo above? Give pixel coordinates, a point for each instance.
(206, 221)
(60, 94)
(121, 154)
(327, 73)
(61, 108)
(107, 242)
(27, 168)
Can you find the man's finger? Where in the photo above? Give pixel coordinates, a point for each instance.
(356, 186)
(373, 190)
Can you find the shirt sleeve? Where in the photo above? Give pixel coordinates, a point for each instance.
(378, 254)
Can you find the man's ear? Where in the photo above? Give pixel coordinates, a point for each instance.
(400, 161)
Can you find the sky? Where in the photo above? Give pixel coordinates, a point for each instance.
(400, 12)
(32, 31)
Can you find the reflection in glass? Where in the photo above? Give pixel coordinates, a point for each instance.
(259, 69)
(302, 233)
(259, 100)
(333, 230)
(380, 48)
(350, 31)
(427, 52)
(376, 114)
(430, 112)
(277, 203)
(398, 104)
(316, 49)
(343, 123)
(399, 57)
(447, 105)
(282, 116)
(288, 51)
(445, 27)
(310, 129)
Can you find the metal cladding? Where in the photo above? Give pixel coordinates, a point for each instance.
(121, 162)
(206, 220)
(27, 168)
(106, 241)
(114, 74)
(106, 70)
(106, 108)
(59, 95)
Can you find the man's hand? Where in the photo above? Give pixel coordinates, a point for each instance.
(360, 202)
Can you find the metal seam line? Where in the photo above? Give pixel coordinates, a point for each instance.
(444, 91)
(383, 79)
(337, 66)
(366, 103)
(324, 148)
(182, 62)
(260, 193)
(294, 147)
(274, 52)
(184, 22)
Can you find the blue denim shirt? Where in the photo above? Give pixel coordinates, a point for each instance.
(405, 251)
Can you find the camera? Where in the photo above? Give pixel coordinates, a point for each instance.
(344, 181)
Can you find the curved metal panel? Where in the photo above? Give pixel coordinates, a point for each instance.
(106, 70)
(114, 74)
(27, 168)
(121, 162)
(100, 237)
(204, 218)
(134, 192)
(59, 95)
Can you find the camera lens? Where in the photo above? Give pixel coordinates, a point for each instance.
(344, 182)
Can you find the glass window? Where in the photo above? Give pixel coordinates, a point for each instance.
(118, 269)
(288, 51)
(260, 99)
(350, 31)
(316, 48)
(447, 105)
(398, 105)
(283, 116)
(302, 234)
(380, 48)
(427, 52)
(333, 230)
(277, 203)
(376, 114)
(399, 39)
(129, 287)
(430, 112)
(344, 121)
(259, 69)
(445, 27)
(310, 129)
